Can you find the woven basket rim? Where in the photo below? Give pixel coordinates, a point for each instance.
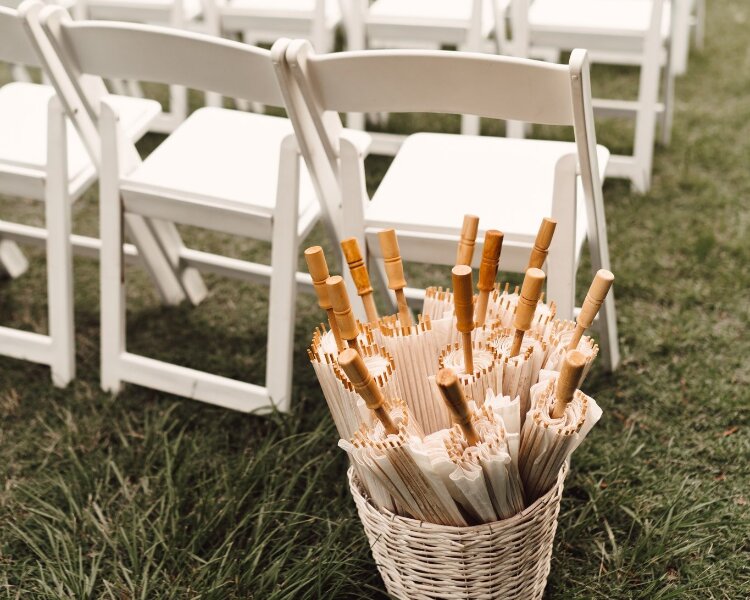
(356, 487)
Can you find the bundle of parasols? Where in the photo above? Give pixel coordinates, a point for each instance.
(467, 414)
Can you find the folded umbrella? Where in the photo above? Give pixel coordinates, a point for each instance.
(560, 417)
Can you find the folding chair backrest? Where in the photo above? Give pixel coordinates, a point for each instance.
(79, 55)
(15, 46)
(443, 82)
(164, 55)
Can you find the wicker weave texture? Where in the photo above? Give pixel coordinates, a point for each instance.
(506, 560)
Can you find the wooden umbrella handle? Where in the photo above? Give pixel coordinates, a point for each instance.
(541, 244)
(356, 370)
(463, 298)
(453, 394)
(342, 308)
(394, 270)
(526, 306)
(567, 381)
(469, 229)
(493, 245)
(361, 277)
(318, 268)
(592, 303)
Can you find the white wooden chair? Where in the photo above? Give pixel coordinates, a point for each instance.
(690, 15)
(43, 157)
(264, 21)
(628, 32)
(181, 14)
(436, 178)
(424, 24)
(224, 170)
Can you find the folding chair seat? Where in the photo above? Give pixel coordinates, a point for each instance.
(218, 160)
(626, 32)
(43, 158)
(436, 178)
(228, 171)
(171, 12)
(442, 167)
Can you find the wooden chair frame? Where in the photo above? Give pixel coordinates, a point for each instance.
(100, 49)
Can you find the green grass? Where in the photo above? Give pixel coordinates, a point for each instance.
(151, 496)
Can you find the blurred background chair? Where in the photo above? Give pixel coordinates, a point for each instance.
(264, 21)
(224, 170)
(437, 178)
(625, 32)
(43, 158)
(467, 25)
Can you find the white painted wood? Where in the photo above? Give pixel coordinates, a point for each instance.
(26, 345)
(59, 252)
(235, 172)
(13, 263)
(265, 21)
(173, 13)
(631, 32)
(197, 385)
(436, 178)
(465, 24)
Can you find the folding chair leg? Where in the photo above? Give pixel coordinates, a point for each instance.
(169, 239)
(470, 125)
(111, 274)
(283, 293)
(699, 33)
(667, 114)
(608, 336)
(59, 251)
(178, 103)
(13, 263)
(561, 261)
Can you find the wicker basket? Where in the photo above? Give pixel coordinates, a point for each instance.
(508, 559)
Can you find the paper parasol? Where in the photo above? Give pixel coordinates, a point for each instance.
(467, 241)
(416, 350)
(571, 336)
(383, 452)
(343, 402)
(486, 482)
(559, 419)
(394, 269)
(542, 243)
(361, 277)
(318, 268)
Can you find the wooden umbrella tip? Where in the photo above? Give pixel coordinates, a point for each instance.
(461, 271)
(576, 359)
(312, 250)
(350, 246)
(348, 357)
(446, 378)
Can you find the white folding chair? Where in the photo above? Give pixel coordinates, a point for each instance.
(264, 21)
(181, 14)
(628, 32)
(690, 15)
(42, 157)
(436, 178)
(224, 170)
(466, 24)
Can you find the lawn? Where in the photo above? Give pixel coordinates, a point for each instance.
(151, 496)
